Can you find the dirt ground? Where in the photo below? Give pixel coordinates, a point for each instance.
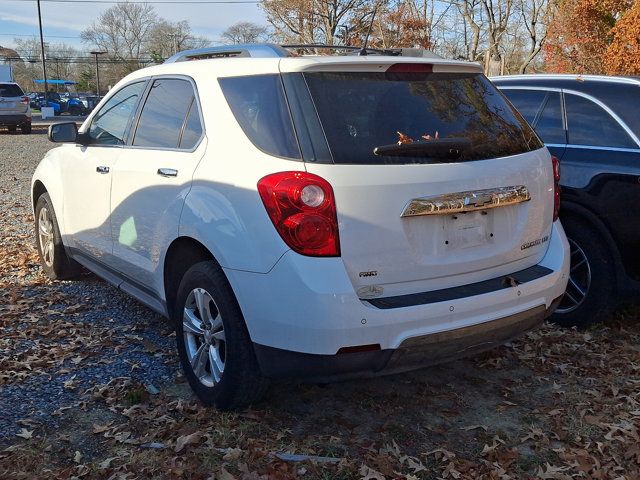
(90, 388)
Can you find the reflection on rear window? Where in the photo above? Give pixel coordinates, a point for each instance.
(10, 90)
(360, 111)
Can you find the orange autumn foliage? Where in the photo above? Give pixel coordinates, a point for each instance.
(581, 33)
(623, 55)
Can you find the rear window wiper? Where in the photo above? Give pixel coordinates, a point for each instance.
(439, 148)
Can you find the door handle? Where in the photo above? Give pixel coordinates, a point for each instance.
(167, 172)
(102, 169)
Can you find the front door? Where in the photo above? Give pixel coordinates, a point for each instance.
(153, 176)
(88, 174)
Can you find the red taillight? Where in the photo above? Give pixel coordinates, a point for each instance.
(25, 100)
(410, 68)
(556, 187)
(302, 207)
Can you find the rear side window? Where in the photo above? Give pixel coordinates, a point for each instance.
(10, 90)
(590, 124)
(528, 102)
(192, 128)
(164, 113)
(549, 124)
(260, 108)
(360, 111)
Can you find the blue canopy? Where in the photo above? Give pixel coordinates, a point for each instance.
(57, 82)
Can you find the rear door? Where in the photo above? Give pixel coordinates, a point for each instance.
(153, 175)
(410, 223)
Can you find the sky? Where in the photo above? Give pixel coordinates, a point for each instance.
(63, 22)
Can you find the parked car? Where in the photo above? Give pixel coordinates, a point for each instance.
(591, 124)
(267, 204)
(14, 108)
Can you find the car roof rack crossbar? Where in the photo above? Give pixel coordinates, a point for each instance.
(253, 50)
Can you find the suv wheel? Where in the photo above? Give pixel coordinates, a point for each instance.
(213, 343)
(55, 262)
(12, 129)
(26, 128)
(590, 294)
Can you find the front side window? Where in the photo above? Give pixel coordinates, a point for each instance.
(590, 124)
(260, 108)
(363, 111)
(109, 125)
(163, 114)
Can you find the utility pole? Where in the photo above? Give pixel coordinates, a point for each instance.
(44, 65)
(96, 53)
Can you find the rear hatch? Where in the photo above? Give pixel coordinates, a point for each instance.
(11, 100)
(459, 189)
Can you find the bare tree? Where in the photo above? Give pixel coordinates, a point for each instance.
(62, 61)
(168, 38)
(124, 31)
(535, 16)
(245, 32)
(313, 21)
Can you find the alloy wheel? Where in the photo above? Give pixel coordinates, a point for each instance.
(204, 337)
(45, 236)
(579, 280)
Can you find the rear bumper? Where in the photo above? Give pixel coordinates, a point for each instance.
(413, 353)
(308, 306)
(14, 120)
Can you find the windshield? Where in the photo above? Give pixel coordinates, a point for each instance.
(360, 111)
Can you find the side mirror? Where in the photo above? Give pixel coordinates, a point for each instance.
(63, 132)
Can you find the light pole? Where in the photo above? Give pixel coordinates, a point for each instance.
(56, 59)
(44, 66)
(96, 53)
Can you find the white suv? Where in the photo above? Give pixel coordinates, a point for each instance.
(276, 208)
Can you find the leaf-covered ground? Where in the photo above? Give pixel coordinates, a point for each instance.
(89, 388)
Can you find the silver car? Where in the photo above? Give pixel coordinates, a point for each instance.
(15, 110)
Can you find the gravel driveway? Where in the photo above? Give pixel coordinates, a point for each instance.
(90, 388)
(64, 337)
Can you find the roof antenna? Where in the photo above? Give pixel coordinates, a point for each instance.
(363, 51)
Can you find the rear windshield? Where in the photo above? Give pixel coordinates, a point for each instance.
(360, 111)
(10, 90)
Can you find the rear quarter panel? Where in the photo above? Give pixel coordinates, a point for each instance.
(223, 209)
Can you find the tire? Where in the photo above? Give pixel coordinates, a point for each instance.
(25, 129)
(56, 264)
(592, 273)
(228, 376)
(12, 129)
(74, 111)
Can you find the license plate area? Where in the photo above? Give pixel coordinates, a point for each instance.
(468, 229)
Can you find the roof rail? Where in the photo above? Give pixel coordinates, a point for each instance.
(254, 50)
(271, 50)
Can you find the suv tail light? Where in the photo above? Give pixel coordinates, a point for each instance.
(25, 100)
(556, 187)
(302, 207)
